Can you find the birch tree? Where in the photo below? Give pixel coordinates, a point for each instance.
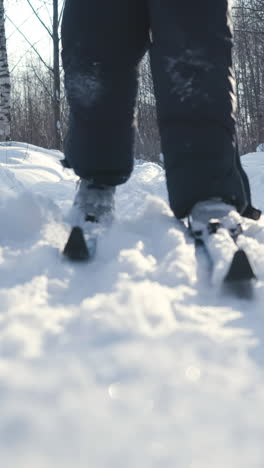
(5, 102)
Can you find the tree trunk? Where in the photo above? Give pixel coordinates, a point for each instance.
(56, 72)
(5, 101)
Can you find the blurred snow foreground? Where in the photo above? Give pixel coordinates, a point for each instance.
(132, 360)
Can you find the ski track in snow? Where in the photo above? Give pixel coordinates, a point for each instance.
(132, 360)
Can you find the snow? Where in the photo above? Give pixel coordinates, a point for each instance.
(132, 360)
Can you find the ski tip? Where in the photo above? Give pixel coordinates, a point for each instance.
(239, 279)
(240, 269)
(76, 248)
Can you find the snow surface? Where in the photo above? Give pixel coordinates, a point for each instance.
(132, 360)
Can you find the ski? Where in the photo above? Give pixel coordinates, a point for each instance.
(214, 225)
(219, 237)
(82, 242)
(240, 278)
(80, 246)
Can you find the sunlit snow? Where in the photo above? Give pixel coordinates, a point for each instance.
(133, 360)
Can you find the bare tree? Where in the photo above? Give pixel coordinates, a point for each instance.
(56, 74)
(249, 69)
(5, 114)
(32, 105)
(147, 135)
(53, 33)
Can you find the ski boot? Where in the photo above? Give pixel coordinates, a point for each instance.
(93, 207)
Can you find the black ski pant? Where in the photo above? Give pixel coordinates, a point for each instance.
(190, 45)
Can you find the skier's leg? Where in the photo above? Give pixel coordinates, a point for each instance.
(103, 42)
(194, 85)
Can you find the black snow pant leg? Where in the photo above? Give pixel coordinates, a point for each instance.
(103, 42)
(194, 86)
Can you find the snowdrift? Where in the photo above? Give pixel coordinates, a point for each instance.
(131, 360)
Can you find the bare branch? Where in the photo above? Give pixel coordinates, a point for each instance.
(24, 22)
(61, 13)
(21, 58)
(33, 47)
(42, 82)
(39, 18)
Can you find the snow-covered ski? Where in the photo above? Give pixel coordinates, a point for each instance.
(220, 238)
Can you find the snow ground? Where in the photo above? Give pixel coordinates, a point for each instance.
(131, 360)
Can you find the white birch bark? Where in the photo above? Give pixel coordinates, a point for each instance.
(5, 101)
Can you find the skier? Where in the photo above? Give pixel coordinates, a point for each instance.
(190, 46)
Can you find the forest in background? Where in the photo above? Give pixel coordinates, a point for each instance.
(39, 109)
